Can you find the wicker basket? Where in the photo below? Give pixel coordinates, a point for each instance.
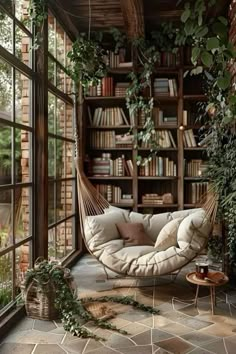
(39, 301)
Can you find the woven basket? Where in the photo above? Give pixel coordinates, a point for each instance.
(39, 301)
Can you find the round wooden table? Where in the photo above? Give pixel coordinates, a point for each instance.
(191, 277)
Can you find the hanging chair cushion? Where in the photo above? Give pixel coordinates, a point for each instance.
(134, 234)
(142, 261)
(168, 235)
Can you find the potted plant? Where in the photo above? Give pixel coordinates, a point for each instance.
(50, 292)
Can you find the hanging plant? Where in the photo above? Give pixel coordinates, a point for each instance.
(87, 62)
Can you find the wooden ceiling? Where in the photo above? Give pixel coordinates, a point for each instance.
(137, 16)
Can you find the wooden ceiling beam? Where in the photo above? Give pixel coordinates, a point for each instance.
(132, 11)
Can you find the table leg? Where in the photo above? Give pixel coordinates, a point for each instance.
(212, 291)
(196, 296)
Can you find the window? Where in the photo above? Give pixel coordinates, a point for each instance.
(16, 146)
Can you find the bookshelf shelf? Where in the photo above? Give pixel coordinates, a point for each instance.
(110, 178)
(158, 205)
(190, 205)
(148, 178)
(178, 160)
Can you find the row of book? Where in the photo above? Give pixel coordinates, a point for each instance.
(194, 168)
(114, 116)
(163, 138)
(158, 167)
(116, 60)
(109, 139)
(165, 87)
(189, 138)
(156, 199)
(169, 59)
(107, 88)
(106, 166)
(158, 117)
(196, 192)
(113, 194)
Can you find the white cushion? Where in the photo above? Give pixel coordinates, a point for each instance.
(102, 228)
(194, 231)
(112, 208)
(168, 235)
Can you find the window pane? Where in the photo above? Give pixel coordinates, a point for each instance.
(60, 200)
(69, 198)
(5, 154)
(51, 113)
(6, 237)
(61, 241)
(60, 166)
(68, 85)
(23, 212)
(51, 35)
(69, 160)
(5, 280)
(69, 122)
(21, 12)
(6, 96)
(52, 244)
(68, 48)
(22, 46)
(51, 157)
(51, 204)
(60, 79)
(23, 257)
(22, 100)
(60, 117)
(60, 53)
(6, 30)
(23, 148)
(69, 235)
(51, 71)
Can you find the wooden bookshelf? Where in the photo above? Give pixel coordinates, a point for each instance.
(139, 186)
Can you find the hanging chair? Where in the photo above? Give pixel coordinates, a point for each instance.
(98, 221)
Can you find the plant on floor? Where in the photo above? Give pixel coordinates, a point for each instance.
(72, 310)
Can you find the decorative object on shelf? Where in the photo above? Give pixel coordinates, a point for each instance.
(49, 292)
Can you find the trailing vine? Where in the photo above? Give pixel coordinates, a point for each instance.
(72, 311)
(38, 13)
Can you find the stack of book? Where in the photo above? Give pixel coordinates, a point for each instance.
(189, 138)
(114, 116)
(106, 166)
(158, 167)
(108, 139)
(163, 138)
(165, 87)
(194, 168)
(113, 194)
(120, 89)
(152, 198)
(197, 192)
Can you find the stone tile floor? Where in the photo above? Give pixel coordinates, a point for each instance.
(180, 328)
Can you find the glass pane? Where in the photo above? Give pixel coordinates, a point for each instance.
(60, 118)
(51, 113)
(60, 200)
(22, 99)
(61, 241)
(69, 198)
(69, 159)
(5, 154)
(21, 12)
(5, 280)
(6, 238)
(68, 85)
(6, 30)
(60, 165)
(23, 256)
(23, 210)
(51, 71)
(22, 46)
(6, 96)
(22, 156)
(51, 35)
(68, 48)
(69, 132)
(60, 79)
(69, 235)
(51, 204)
(60, 39)
(51, 157)
(52, 244)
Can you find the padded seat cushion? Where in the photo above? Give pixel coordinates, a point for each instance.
(168, 235)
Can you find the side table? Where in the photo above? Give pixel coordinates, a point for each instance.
(191, 277)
